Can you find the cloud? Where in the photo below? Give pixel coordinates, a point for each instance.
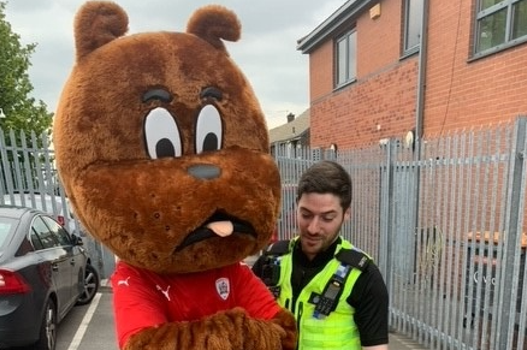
(266, 52)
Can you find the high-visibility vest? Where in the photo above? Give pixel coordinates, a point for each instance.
(336, 330)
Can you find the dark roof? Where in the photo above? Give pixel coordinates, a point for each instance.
(292, 130)
(346, 13)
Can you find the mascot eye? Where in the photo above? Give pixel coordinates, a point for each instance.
(209, 131)
(162, 134)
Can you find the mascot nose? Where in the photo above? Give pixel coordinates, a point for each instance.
(204, 171)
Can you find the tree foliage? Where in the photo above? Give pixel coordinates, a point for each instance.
(22, 111)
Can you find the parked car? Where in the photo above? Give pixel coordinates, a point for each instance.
(57, 206)
(44, 273)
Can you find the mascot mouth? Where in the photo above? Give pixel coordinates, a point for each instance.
(205, 231)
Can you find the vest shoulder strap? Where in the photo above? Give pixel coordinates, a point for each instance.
(354, 258)
(278, 248)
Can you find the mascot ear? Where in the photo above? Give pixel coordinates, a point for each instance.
(215, 22)
(96, 24)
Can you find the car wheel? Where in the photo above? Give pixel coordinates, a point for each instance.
(91, 285)
(48, 328)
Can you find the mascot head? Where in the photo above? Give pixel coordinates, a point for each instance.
(161, 144)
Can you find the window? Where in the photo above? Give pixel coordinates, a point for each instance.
(500, 24)
(7, 227)
(412, 24)
(46, 236)
(35, 240)
(346, 58)
(58, 231)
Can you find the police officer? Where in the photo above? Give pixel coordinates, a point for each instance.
(335, 290)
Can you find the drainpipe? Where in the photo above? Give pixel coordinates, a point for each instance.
(419, 110)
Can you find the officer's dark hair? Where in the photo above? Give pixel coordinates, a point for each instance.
(326, 177)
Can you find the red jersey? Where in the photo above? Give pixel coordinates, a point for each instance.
(142, 298)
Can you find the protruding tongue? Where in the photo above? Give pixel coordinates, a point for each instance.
(221, 228)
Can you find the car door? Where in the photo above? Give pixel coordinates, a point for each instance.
(74, 255)
(58, 258)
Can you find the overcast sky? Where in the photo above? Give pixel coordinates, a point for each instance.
(266, 51)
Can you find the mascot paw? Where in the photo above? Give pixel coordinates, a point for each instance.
(229, 330)
(286, 321)
(246, 333)
(257, 334)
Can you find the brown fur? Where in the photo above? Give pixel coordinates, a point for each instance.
(229, 330)
(142, 208)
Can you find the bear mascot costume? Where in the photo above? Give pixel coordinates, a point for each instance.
(162, 149)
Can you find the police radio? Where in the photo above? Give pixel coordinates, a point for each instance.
(327, 302)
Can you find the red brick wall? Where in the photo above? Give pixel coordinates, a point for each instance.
(366, 112)
(321, 72)
(461, 94)
(379, 40)
(382, 102)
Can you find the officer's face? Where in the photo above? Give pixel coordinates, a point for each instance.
(319, 219)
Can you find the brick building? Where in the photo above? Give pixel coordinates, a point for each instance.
(376, 74)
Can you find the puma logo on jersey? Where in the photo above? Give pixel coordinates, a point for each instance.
(165, 292)
(124, 282)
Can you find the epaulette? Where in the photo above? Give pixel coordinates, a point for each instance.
(278, 248)
(354, 258)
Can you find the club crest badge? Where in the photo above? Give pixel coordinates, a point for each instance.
(223, 287)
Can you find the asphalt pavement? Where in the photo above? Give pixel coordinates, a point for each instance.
(101, 331)
(91, 327)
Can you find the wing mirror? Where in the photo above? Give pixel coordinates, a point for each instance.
(77, 240)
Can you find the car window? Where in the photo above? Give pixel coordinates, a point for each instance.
(35, 240)
(47, 238)
(6, 227)
(58, 231)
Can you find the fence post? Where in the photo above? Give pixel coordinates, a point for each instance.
(385, 217)
(6, 172)
(513, 229)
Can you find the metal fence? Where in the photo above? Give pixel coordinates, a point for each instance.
(445, 223)
(28, 177)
